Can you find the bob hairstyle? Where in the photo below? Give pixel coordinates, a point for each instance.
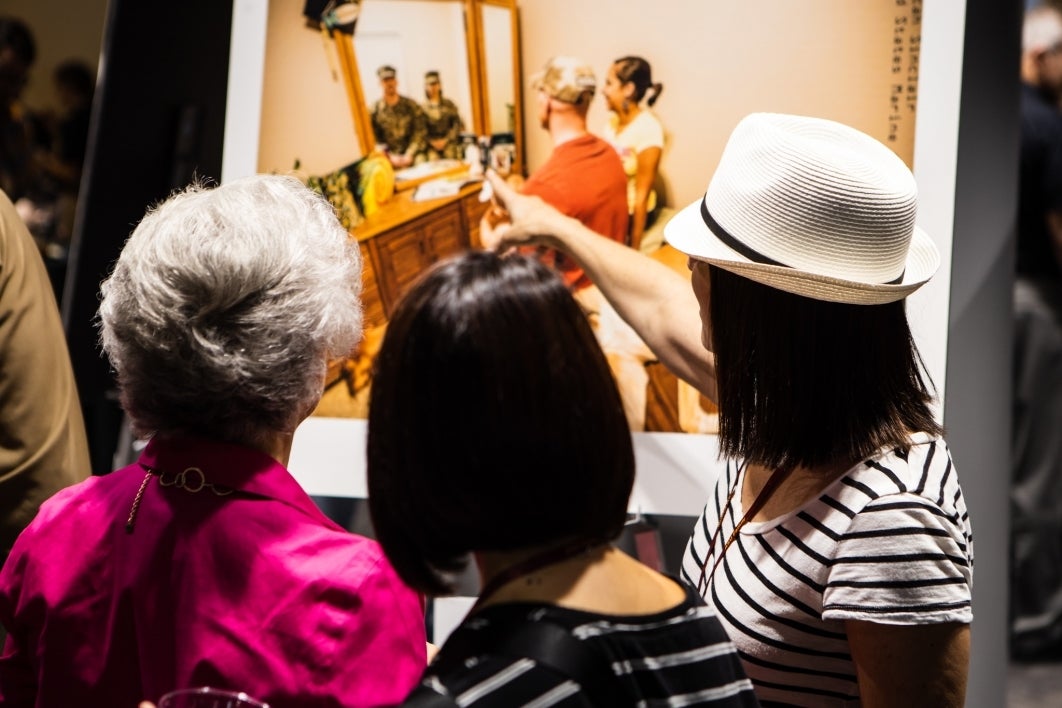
(635, 70)
(808, 382)
(225, 305)
(495, 423)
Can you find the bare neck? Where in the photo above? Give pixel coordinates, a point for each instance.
(566, 125)
(277, 446)
(627, 116)
(605, 580)
(798, 486)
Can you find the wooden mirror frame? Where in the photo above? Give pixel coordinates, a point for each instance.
(475, 46)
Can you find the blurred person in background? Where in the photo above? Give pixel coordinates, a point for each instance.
(18, 51)
(75, 84)
(1036, 493)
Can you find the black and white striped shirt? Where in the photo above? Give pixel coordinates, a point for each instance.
(888, 542)
(680, 657)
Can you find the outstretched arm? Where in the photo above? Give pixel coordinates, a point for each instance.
(656, 301)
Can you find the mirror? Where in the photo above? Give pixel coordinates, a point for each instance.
(415, 37)
(472, 44)
(498, 66)
(498, 90)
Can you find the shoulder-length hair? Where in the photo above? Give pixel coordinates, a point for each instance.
(225, 305)
(807, 382)
(494, 423)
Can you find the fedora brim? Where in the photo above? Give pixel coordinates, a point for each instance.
(687, 232)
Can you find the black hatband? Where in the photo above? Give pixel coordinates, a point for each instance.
(727, 238)
(752, 254)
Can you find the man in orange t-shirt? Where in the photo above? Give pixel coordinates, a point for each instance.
(584, 179)
(583, 176)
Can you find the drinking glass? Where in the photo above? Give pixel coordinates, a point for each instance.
(206, 697)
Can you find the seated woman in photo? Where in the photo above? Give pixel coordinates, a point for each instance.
(495, 428)
(205, 563)
(638, 137)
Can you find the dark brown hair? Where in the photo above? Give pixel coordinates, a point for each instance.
(16, 35)
(807, 382)
(494, 424)
(76, 76)
(637, 71)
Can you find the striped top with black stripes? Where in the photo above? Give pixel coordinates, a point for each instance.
(888, 542)
(679, 657)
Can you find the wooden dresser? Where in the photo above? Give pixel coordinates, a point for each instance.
(405, 237)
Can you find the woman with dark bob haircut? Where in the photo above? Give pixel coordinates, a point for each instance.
(836, 546)
(204, 562)
(496, 429)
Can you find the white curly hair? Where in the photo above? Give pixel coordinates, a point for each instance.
(225, 306)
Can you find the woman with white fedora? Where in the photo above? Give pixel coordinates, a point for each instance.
(837, 546)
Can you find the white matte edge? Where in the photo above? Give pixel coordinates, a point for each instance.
(676, 471)
(243, 101)
(935, 164)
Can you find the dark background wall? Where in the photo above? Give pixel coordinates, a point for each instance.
(978, 411)
(159, 119)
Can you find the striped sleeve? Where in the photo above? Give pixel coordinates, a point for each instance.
(903, 560)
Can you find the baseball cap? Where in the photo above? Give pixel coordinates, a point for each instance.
(566, 79)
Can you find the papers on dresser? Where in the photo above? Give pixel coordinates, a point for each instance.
(443, 187)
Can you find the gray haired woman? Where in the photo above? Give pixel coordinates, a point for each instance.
(205, 562)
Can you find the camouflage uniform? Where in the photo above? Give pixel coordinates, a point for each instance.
(401, 127)
(443, 121)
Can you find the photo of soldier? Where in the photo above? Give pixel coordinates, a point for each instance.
(444, 122)
(398, 123)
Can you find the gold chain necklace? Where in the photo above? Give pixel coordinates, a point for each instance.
(190, 479)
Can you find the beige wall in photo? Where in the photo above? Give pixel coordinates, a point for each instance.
(305, 112)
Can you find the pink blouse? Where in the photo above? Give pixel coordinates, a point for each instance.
(110, 600)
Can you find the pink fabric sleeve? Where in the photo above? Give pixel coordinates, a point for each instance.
(385, 647)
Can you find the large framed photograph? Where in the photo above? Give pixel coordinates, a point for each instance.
(890, 68)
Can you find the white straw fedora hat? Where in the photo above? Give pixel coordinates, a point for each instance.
(811, 207)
